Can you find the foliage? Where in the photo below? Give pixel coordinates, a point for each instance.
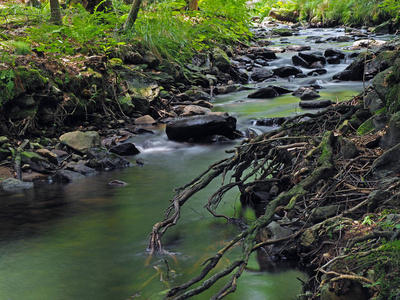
(330, 12)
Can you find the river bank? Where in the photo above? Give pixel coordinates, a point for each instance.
(162, 108)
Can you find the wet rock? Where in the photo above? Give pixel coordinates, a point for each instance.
(287, 71)
(81, 141)
(298, 61)
(60, 154)
(226, 89)
(198, 128)
(264, 93)
(333, 60)
(331, 52)
(101, 159)
(370, 43)
(355, 71)
(298, 48)
(317, 72)
(309, 94)
(34, 176)
(282, 31)
(117, 183)
(312, 57)
(67, 176)
(315, 104)
(14, 185)
(317, 65)
(37, 163)
(271, 121)
(387, 164)
(84, 170)
(260, 74)
(125, 149)
(276, 232)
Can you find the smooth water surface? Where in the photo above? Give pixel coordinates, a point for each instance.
(87, 240)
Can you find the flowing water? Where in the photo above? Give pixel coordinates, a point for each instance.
(88, 240)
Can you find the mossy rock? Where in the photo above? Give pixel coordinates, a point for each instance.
(282, 32)
(367, 126)
(126, 104)
(393, 99)
(382, 83)
(396, 69)
(16, 81)
(221, 60)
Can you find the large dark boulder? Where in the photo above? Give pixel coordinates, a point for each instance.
(355, 71)
(298, 61)
(312, 57)
(315, 103)
(201, 128)
(101, 159)
(125, 149)
(387, 164)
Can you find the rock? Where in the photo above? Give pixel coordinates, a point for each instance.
(333, 60)
(125, 149)
(221, 60)
(370, 43)
(260, 74)
(282, 31)
(298, 48)
(81, 141)
(14, 185)
(324, 212)
(51, 156)
(191, 110)
(387, 164)
(133, 57)
(373, 102)
(376, 198)
(381, 83)
(101, 159)
(348, 148)
(315, 103)
(317, 65)
(331, 52)
(309, 94)
(355, 71)
(145, 120)
(61, 155)
(142, 94)
(226, 89)
(271, 121)
(298, 61)
(34, 176)
(67, 176)
(373, 124)
(4, 153)
(117, 183)
(200, 128)
(312, 57)
(287, 71)
(283, 15)
(84, 170)
(151, 60)
(37, 163)
(265, 92)
(262, 52)
(317, 72)
(275, 232)
(392, 135)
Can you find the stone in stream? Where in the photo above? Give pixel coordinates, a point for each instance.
(355, 71)
(265, 92)
(298, 48)
(315, 103)
(317, 72)
(81, 141)
(331, 52)
(312, 57)
(309, 94)
(260, 74)
(13, 185)
(125, 149)
(67, 176)
(287, 71)
(298, 61)
(201, 128)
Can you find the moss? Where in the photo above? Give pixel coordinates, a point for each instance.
(115, 62)
(366, 127)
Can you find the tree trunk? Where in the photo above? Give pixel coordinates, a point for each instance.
(133, 13)
(55, 12)
(193, 5)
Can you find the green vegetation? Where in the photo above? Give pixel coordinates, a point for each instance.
(334, 12)
(164, 27)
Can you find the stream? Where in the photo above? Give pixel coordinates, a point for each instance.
(87, 240)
